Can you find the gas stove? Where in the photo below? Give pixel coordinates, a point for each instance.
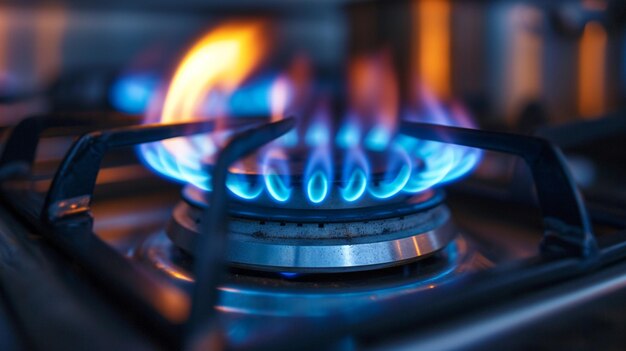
(254, 204)
(247, 276)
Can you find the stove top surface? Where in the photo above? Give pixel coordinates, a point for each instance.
(121, 263)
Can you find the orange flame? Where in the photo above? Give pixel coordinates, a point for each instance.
(219, 63)
(216, 65)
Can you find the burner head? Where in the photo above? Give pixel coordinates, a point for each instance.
(322, 240)
(346, 148)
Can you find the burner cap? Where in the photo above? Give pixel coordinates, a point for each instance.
(374, 237)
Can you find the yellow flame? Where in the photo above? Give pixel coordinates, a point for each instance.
(219, 63)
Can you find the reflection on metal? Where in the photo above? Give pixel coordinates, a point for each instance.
(592, 71)
(535, 311)
(432, 52)
(277, 245)
(68, 207)
(289, 297)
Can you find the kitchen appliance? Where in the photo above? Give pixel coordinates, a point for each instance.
(342, 200)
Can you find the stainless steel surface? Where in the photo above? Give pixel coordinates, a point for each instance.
(69, 207)
(280, 296)
(342, 246)
(515, 65)
(540, 307)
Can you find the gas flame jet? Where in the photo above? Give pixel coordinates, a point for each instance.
(355, 159)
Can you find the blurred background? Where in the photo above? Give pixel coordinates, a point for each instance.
(553, 67)
(515, 64)
(560, 60)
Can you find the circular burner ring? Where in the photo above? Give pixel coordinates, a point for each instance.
(327, 241)
(342, 212)
(271, 294)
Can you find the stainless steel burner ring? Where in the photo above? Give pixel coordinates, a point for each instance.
(322, 246)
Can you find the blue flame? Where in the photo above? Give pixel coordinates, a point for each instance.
(317, 135)
(317, 187)
(131, 93)
(412, 165)
(163, 161)
(276, 186)
(243, 188)
(467, 159)
(378, 138)
(355, 186)
(276, 176)
(348, 136)
(318, 173)
(355, 174)
(289, 275)
(251, 99)
(396, 177)
(290, 139)
(436, 163)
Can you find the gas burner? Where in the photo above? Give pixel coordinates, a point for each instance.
(255, 292)
(248, 178)
(351, 154)
(456, 274)
(333, 240)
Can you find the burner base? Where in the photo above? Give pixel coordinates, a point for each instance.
(278, 294)
(323, 246)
